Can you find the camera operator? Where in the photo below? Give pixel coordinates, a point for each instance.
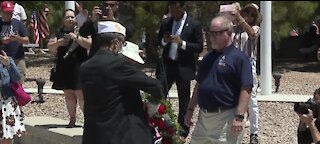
(307, 119)
(107, 11)
(308, 127)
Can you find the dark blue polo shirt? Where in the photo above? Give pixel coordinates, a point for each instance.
(13, 49)
(221, 76)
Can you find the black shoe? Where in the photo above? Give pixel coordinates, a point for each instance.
(254, 139)
(183, 134)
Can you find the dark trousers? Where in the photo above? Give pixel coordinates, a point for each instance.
(168, 73)
(183, 88)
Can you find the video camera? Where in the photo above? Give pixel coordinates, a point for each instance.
(302, 107)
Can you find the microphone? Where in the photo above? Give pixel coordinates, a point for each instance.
(74, 44)
(71, 49)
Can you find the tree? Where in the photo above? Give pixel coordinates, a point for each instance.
(288, 15)
(148, 14)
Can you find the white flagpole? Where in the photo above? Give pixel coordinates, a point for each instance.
(70, 5)
(265, 48)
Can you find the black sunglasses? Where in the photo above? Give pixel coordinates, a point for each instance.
(216, 33)
(108, 4)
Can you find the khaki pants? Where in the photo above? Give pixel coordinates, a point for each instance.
(215, 128)
(21, 65)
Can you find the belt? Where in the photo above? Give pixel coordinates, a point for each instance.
(214, 110)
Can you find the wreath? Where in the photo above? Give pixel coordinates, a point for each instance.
(162, 121)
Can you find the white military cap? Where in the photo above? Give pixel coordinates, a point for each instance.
(111, 26)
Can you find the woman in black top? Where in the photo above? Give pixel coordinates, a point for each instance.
(68, 63)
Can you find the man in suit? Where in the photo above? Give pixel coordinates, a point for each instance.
(113, 109)
(181, 37)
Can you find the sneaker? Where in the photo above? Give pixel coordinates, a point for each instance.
(254, 139)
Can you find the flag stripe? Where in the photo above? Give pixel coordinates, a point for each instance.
(34, 25)
(43, 25)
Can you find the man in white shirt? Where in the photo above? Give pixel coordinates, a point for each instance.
(19, 12)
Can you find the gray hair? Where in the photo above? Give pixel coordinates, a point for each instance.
(226, 23)
(105, 39)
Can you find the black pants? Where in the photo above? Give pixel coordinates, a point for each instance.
(183, 88)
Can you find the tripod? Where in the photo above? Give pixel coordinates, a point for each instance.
(162, 76)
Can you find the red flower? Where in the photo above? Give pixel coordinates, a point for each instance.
(166, 140)
(170, 131)
(162, 109)
(161, 124)
(151, 121)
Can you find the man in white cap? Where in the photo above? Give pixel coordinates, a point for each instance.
(113, 107)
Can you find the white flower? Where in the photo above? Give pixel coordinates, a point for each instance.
(152, 109)
(166, 117)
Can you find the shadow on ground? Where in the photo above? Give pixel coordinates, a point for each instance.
(299, 66)
(34, 60)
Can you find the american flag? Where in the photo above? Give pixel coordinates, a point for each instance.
(34, 25)
(43, 25)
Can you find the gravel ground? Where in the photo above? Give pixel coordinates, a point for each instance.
(277, 124)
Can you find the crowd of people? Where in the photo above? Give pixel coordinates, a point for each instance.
(96, 67)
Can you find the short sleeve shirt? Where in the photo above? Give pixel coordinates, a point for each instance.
(221, 76)
(90, 28)
(13, 48)
(19, 12)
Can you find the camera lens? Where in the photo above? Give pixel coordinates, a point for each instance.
(302, 107)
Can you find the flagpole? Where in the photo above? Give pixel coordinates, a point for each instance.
(69, 5)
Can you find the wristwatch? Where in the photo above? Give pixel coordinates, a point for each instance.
(239, 117)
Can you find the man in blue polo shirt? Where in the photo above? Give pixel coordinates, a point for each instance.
(223, 88)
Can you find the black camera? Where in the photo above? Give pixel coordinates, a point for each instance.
(302, 107)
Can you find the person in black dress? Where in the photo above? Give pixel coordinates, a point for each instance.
(67, 66)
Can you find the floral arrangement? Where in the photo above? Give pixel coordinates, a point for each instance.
(162, 120)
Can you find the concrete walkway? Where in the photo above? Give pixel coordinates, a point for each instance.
(49, 130)
(174, 94)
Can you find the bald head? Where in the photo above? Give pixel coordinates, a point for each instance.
(220, 23)
(221, 29)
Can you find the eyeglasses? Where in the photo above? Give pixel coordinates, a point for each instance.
(216, 33)
(109, 4)
(124, 44)
(250, 12)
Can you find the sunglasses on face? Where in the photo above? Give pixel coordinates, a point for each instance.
(216, 33)
(250, 12)
(109, 4)
(70, 17)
